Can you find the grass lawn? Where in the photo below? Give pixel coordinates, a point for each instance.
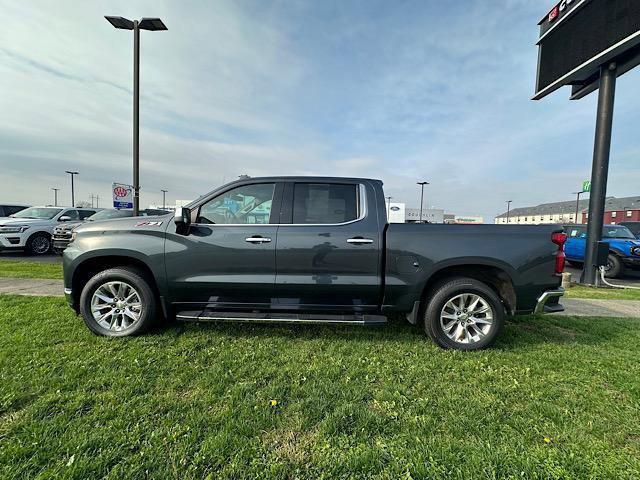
(14, 269)
(582, 291)
(559, 397)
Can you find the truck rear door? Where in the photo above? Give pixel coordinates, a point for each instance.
(328, 248)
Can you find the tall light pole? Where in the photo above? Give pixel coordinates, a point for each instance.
(163, 197)
(73, 200)
(55, 196)
(153, 24)
(388, 206)
(508, 209)
(577, 204)
(422, 184)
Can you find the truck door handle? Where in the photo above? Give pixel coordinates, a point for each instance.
(257, 239)
(359, 240)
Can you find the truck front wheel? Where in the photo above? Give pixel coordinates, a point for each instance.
(463, 314)
(118, 302)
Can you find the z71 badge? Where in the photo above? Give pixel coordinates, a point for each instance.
(148, 224)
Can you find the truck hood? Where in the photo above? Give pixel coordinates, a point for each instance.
(622, 242)
(32, 222)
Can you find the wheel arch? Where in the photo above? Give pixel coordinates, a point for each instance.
(89, 267)
(495, 277)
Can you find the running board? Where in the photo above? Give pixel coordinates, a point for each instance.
(277, 317)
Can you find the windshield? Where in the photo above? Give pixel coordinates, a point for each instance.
(107, 214)
(42, 213)
(617, 232)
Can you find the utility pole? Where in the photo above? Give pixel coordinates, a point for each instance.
(97, 201)
(55, 196)
(508, 209)
(388, 206)
(153, 24)
(163, 197)
(73, 204)
(92, 197)
(422, 184)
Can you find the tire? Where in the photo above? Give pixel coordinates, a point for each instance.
(462, 292)
(39, 244)
(614, 267)
(119, 319)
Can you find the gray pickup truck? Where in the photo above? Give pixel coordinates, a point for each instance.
(310, 250)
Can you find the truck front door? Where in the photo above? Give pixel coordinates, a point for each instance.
(228, 258)
(328, 251)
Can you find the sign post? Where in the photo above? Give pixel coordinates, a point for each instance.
(587, 44)
(122, 196)
(599, 170)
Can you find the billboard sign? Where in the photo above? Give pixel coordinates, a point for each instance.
(577, 37)
(122, 196)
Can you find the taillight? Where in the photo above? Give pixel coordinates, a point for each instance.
(559, 239)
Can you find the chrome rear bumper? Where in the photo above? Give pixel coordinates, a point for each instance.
(550, 296)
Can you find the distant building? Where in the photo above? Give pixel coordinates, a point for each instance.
(467, 219)
(431, 215)
(616, 210)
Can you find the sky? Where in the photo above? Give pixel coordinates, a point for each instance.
(403, 91)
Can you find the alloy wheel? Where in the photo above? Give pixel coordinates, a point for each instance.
(466, 318)
(116, 306)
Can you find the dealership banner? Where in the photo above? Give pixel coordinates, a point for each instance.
(122, 196)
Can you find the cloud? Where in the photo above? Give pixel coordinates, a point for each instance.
(402, 91)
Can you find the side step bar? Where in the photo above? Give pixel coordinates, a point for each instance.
(278, 317)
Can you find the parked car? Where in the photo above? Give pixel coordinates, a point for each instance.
(633, 226)
(62, 233)
(624, 249)
(310, 250)
(31, 229)
(8, 209)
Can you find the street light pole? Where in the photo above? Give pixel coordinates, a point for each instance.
(577, 205)
(388, 206)
(73, 201)
(55, 196)
(422, 184)
(508, 209)
(153, 24)
(163, 197)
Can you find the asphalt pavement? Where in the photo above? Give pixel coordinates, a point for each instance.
(631, 277)
(23, 257)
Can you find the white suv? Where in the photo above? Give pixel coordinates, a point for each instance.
(31, 229)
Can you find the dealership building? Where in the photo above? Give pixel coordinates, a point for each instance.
(400, 213)
(616, 210)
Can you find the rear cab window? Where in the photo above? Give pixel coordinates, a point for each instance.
(325, 203)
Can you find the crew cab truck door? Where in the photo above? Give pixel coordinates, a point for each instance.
(227, 259)
(328, 251)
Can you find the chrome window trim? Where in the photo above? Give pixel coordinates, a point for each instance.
(362, 207)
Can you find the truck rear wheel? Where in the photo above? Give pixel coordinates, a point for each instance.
(463, 314)
(118, 302)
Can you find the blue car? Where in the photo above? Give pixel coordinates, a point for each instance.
(624, 249)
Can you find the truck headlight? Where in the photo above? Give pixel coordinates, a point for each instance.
(73, 236)
(635, 251)
(14, 229)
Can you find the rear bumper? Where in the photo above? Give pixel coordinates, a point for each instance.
(548, 301)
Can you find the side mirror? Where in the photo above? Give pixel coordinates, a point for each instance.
(182, 220)
(64, 218)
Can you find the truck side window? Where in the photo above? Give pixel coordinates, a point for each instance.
(248, 204)
(322, 203)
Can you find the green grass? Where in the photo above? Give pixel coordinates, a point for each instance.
(582, 291)
(557, 398)
(14, 269)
